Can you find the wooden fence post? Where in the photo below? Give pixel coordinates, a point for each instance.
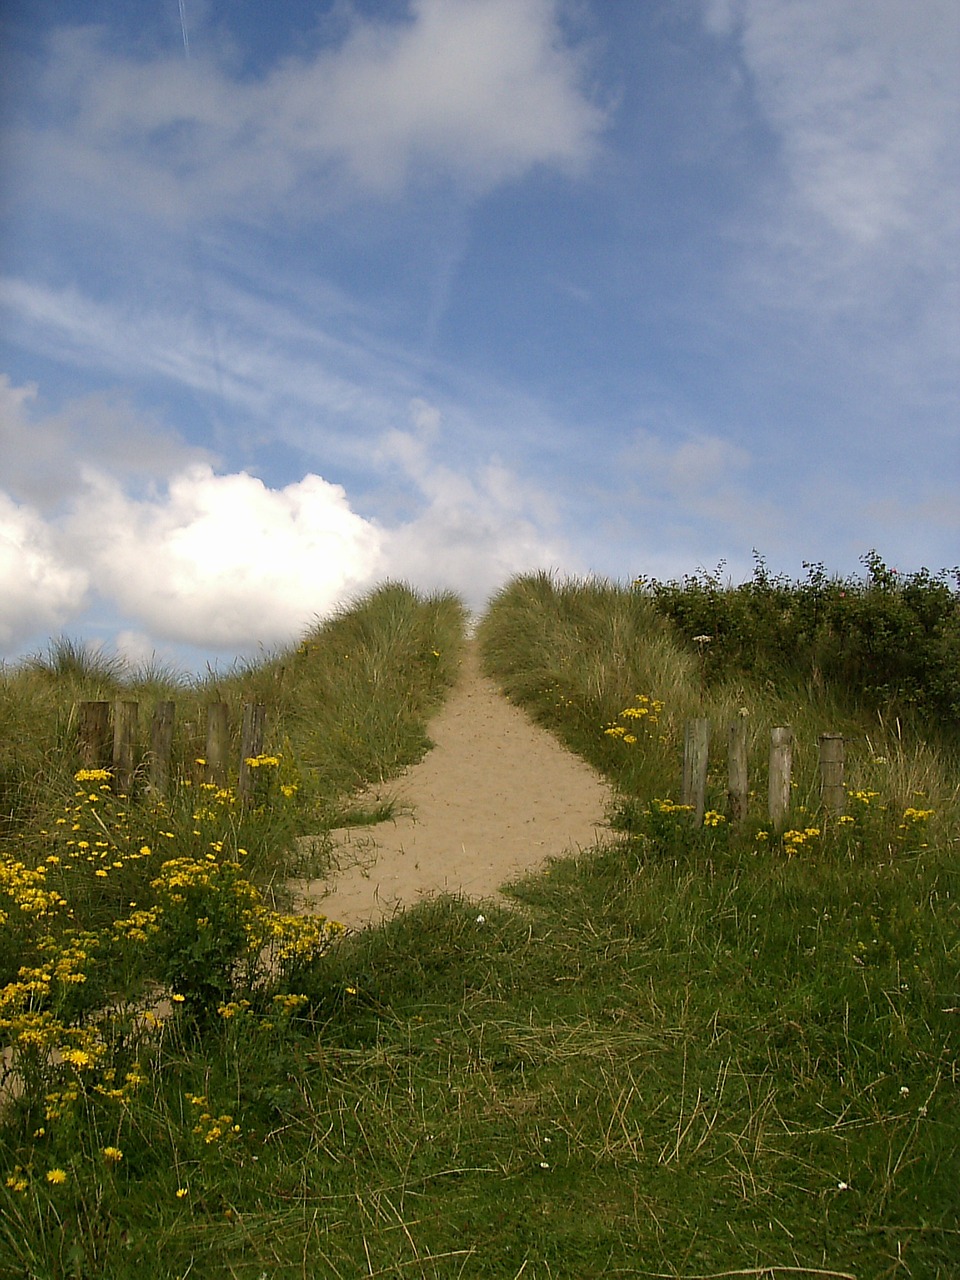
(696, 747)
(832, 791)
(125, 716)
(161, 745)
(737, 777)
(251, 746)
(93, 735)
(217, 744)
(781, 762)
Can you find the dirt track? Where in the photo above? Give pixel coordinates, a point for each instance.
(495, 797)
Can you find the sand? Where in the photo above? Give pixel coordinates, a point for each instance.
(493, 800)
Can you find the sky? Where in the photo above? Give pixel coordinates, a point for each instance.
(299, 298)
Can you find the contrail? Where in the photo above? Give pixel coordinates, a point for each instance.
(183, 28)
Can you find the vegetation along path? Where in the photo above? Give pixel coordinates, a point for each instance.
(495, 798)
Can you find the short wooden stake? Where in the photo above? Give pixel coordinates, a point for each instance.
(125, 719)
(781, 764)
(217, 748)
(696, 748)
(93, 736)
(832, 791)
(251, 746)
(161, 745)
(737, 778)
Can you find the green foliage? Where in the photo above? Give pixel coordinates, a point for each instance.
(889, 641)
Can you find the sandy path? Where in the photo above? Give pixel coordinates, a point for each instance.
(495, 797)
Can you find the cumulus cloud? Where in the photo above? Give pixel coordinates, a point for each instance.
(224, 561)
(184, 554)
(39, 587)
(474, 90)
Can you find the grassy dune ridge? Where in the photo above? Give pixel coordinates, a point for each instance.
(686, 1052)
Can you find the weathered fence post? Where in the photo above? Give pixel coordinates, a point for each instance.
(832, 791)
(781, 762)
(251, 746)
(217, 744)
(161, 745)
(696, 747)
(125, 717)
(93, 735)
(737, 778)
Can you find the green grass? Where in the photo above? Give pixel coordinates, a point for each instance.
(681, 1054)
(346, 707)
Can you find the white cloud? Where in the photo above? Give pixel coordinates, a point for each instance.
(296, 372)
(473, 531)
(224, 561)
(39, 588)
(42, 454)
(865, 96)
(172, 551)
(864, 99)
(475, 90)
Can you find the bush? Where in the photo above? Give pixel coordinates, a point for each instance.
(886, 642)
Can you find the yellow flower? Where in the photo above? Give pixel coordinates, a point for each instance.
(78, 1058)
(181, 1192)
(56, 1176)
(112, 1154)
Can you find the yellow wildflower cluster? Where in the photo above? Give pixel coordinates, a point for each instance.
(23, 889)
(295, 940)
(794, 841)
(214, 801)
(289, 1003)
(916, 817)
(209, 1127)
(262, 762)
(59, 1054)
(669, 807)
(232, 1008)
(642, 715)
(102, 776)
(863, 796)
(179, 877)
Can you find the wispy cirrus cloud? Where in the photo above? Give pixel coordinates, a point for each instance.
(863, 102)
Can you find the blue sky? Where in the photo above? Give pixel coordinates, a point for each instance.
(296, 298)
